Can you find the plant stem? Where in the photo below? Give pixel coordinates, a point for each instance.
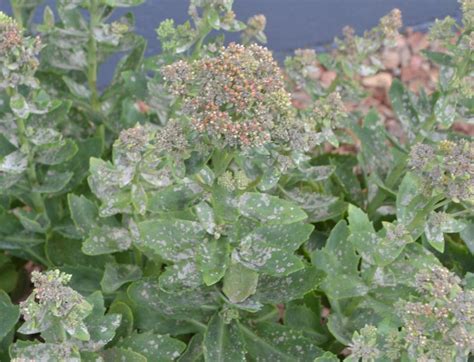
(92, 55)
(39, 258)
(36, 198)
(17, 13)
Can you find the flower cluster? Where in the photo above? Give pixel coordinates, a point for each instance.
(438, 326)
(467, 7)
(234, 181)
(364, 344)
(442, 30)
(328, 112)
(53, 301)
(173, 37)
(136, 142)
(446, 310)
(303, 65)
(18, 60)
(447, 167)
(357, 51)
(255, 29)
(237, 98)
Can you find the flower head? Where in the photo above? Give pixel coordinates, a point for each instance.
(364, 344)
(390, 23)
(255, 27)
(447, 167)
(236, 98)
(18, 61)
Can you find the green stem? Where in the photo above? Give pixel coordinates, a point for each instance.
(92, 55)
(392, 180)
(336, 307)
(202, 327)
(36, 198)
(17, 13)
(39, 258)
(269, 316)
(422, 214)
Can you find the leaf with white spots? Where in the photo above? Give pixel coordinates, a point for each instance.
(106, 240)
(101, 327)
(467, 234)
(276, 342)
(173, 197)
(340, 262)
(270, 249)
(445, 111)
(437, 225)
(274, 290)
(155, 347)
(116, 275)
(213, 260)
(84, 213)
(123, 355)
(239, 282)
(195, 303)
(409, 201)
(30, 351)
(173, 239)
(269, 209)
(9, 312)
(206, 217)
(194, 352)
(183, 275)
(14, 163)
(223, 341)
(380, 248)
(139, 198)
(327, 357)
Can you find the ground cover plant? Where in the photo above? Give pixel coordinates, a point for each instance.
(195, 210)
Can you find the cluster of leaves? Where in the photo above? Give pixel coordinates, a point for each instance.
(188, 211)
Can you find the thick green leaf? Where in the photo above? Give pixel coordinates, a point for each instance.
(172, 239)
(438, 57)
(182, 276)
(10, 314)
(213, 260)
(194, 352)
(126, 319)
(270, 249)
(340, 263)
(467, 234)
(437, 225)
(84, 213)
(123, 3)
(29, 351)
(223, 341)
(56, 153)
(376, 248)
(239, 282)
(54, 182)
(116, 275)
(106, 240)
(155, 347)
(327, 357)
(274, 290)
(269, 209)
(187, 304)
(275, 342)
(403, 106)
(445, 112)
(119, 354)
(101, 327)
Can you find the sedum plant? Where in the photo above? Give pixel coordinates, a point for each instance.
(188, 211)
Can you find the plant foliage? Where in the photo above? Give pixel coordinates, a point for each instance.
(189, 211)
